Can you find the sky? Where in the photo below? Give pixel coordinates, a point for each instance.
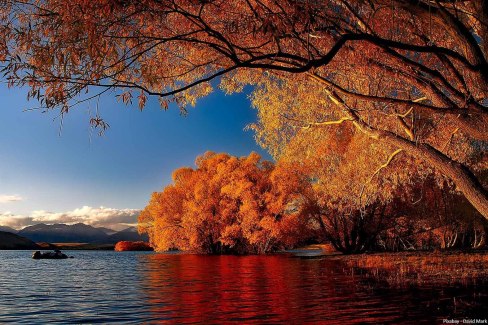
(51, 173)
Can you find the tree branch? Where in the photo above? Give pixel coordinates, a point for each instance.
(390, 158)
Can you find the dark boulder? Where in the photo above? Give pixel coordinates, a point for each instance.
(56, 255)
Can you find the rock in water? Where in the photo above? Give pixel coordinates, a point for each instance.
(56, 255)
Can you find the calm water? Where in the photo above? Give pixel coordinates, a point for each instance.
(135, 287)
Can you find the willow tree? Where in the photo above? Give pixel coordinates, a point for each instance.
(228, 205)
(360, 186)
(381, 63)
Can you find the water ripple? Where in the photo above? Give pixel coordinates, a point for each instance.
(134, 288)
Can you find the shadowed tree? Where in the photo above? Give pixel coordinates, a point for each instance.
(409, 74)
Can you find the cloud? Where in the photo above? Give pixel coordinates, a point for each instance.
(14, 221)
(10, 198)
(116, 219)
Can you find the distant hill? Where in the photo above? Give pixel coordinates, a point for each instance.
(128, 234)
(79, 233)
(13, 241)
(61, 233)
(8, 229)
(108, 231)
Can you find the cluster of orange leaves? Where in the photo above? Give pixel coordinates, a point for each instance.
(228, 205)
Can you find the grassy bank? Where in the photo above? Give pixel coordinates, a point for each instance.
(408, 268)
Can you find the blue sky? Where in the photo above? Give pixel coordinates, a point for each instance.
(46, 170)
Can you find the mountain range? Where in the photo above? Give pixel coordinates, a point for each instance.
(8, 229)
(77, 233)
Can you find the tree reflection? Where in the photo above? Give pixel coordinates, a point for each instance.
(275, 289)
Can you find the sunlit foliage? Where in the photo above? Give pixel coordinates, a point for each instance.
(228, 205)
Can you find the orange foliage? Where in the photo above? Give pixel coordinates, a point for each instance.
(410, 75)
(123, 246)
(245, 205)
(228, 205)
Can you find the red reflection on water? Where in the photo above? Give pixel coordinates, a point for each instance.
(256, 289)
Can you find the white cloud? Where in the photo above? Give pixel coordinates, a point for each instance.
(15, 221)
(116, 219)
(10, 198)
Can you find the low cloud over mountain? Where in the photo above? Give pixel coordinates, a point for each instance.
(98, 217)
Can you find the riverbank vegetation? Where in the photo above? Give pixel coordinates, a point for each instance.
(419, 268)
(231, 205)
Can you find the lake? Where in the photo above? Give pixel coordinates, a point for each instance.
(145, 287)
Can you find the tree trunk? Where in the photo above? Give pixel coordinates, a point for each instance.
(462, 177)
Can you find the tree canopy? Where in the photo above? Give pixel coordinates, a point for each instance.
(228, 205)
(410, 75)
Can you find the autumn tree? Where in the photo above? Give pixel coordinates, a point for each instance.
(228, 205)
(355, 184)
(363, 192)
(410, 75)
